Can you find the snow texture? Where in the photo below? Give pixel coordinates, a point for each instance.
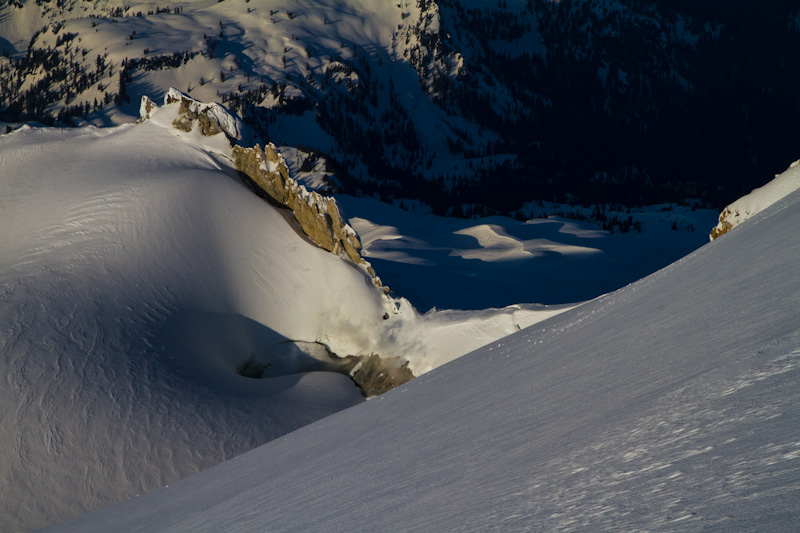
(140, 279)
(669, 404)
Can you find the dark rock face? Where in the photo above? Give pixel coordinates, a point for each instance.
(377, 375)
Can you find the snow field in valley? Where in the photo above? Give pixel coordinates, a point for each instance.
(452, 263)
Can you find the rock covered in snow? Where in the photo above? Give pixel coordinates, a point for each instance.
(758, 200)
(211, 118)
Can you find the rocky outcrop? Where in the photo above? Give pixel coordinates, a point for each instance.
(318, 215)
(724, 223)
(211, 119)
(376, 375)
(146, 109)
(759, 199)
(265, 171)
(372, 373)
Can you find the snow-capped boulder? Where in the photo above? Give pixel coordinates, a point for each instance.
(758, 200)
(210, 119)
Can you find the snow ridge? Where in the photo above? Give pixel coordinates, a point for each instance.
(758, 200)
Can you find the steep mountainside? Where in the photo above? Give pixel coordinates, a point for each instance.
(453, 102)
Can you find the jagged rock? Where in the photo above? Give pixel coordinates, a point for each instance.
(724, 223)
(211, 118)
(757, 200)
(267, 174)
(372, 373)
(146, 108)
(318, 215)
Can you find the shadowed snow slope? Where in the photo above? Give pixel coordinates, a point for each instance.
(453, 263)
(671, 403)
(136, 278)
(142, 285)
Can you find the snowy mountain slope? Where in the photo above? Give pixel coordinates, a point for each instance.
(136, 277)
(451, 102)
(669, 404)
(142, 286)
(759, 199)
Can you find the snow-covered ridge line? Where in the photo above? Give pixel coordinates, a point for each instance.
(266, 172)
(759, 199)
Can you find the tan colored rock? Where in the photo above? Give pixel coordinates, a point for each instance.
(145, 108)
(318, 215)
(268, 176)
(211, 119)
(724, 224)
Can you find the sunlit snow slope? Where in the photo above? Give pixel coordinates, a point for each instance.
(669, 404)
(758, 200)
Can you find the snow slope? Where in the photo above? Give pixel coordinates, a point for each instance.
(139, 278)
(758, 200)
(135, 277)
(669, 404)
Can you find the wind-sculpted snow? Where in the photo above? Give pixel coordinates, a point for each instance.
(266, 172)
(669, 404)
(109, 238)
(143, 286)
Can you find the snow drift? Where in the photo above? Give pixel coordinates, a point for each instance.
(669, 404)
(758, 200)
